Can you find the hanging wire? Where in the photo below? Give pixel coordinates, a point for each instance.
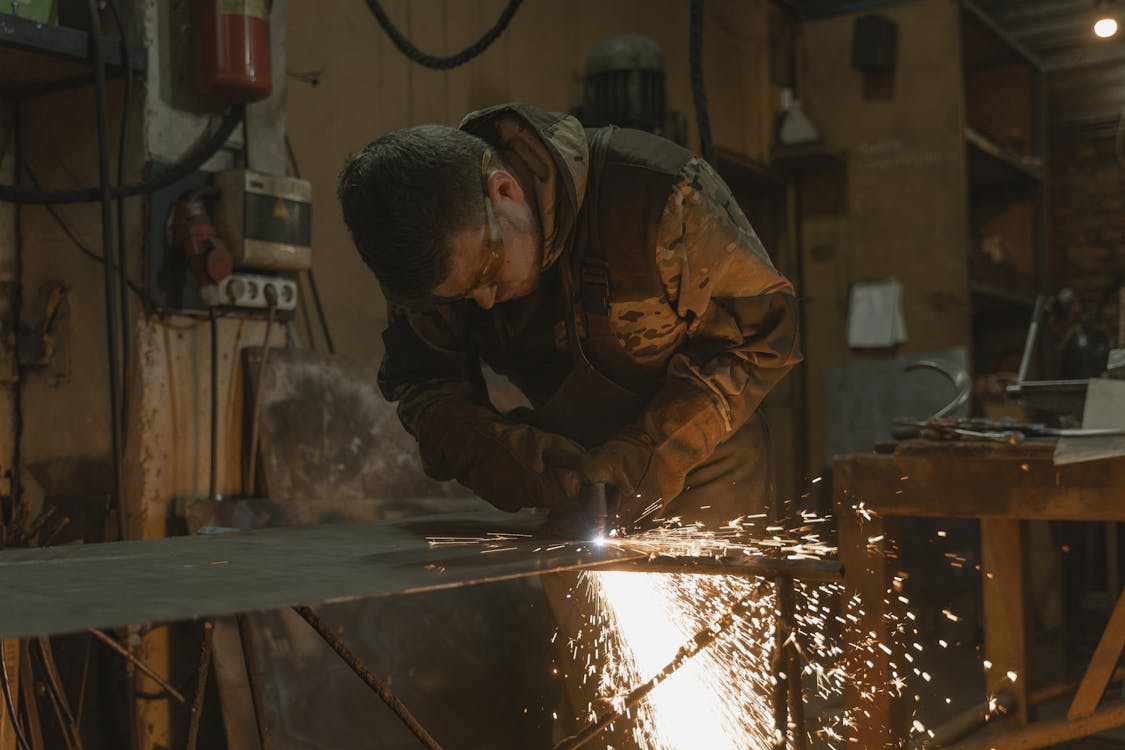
(443, 63)
(698, 92)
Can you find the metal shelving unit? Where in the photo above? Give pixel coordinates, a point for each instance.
(39, 58)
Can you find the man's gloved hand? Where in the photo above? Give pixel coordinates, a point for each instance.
(508, 464)
(625, 462)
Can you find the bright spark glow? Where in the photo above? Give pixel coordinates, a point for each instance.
(1105, 27)
(721, 697)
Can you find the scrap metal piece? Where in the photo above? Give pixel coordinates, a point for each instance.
(959, 379)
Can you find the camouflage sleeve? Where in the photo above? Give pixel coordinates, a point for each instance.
(742, 333)
(431, 370)
(428, 369)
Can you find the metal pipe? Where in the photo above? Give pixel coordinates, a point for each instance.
(379, 686)
(1029, 344)
(201, 682)
(111, 305)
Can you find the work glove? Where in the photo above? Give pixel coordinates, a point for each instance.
(508, 464)
(626, 463)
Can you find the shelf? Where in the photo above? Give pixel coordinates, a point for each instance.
(992, 293)
(985, 45)
(747, 174)
(990, 165)
(806, 157)
(38, 58)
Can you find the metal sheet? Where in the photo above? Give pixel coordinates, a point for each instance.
(67, 589)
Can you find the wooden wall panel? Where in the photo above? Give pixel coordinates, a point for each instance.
(368, 88)
(906, 199)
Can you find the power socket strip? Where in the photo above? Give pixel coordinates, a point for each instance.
(249, 290)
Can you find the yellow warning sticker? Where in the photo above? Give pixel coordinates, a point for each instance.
(279, 210)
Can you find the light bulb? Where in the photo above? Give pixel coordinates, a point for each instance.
(1105, 27)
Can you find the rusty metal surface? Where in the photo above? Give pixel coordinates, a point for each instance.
(68, 589)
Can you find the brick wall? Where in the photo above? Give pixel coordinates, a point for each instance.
(1087, 219)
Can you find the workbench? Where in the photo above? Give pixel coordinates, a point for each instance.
(1002, 486)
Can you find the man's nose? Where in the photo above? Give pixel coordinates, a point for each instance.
(485, 296)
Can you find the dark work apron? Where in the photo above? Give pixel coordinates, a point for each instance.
(589, 407)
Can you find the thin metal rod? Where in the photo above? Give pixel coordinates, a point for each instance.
(213, 483)
(9, 702)
(826, 571)
(32, 727)
(255, 421)
(779, 664)
(792, 663)
(113, 644)
(201, 682)
(373, 681)
(246, 635)
(71, 733)
(699, 641)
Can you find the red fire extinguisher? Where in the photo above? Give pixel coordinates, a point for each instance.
(234, 49)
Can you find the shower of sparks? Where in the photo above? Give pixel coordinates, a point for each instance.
(723, 696)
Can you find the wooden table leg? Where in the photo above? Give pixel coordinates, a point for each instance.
(876, 711)
(1006, 626)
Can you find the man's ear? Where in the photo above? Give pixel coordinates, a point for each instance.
(503, 184)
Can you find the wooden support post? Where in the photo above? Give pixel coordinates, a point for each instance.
(1004, 594)
(876, 710)
(1051, 732)
(233, 682)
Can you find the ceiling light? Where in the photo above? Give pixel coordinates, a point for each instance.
(1105, 27)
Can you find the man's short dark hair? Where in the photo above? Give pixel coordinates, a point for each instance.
(403, 196)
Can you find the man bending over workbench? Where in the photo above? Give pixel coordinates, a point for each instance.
(611, 276)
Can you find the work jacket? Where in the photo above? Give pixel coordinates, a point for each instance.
(700, 324)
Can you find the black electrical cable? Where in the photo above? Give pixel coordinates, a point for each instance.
(231, 120)
(214, 482)
(443, 63)
(698, 92)
(17, 306)
(122, 149)
(111, 304)
(312, 278)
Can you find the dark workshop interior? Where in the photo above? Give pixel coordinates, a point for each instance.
(306, 446)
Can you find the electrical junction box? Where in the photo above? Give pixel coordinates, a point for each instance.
(266, 220)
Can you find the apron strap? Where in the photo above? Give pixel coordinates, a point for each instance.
(593, 273)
